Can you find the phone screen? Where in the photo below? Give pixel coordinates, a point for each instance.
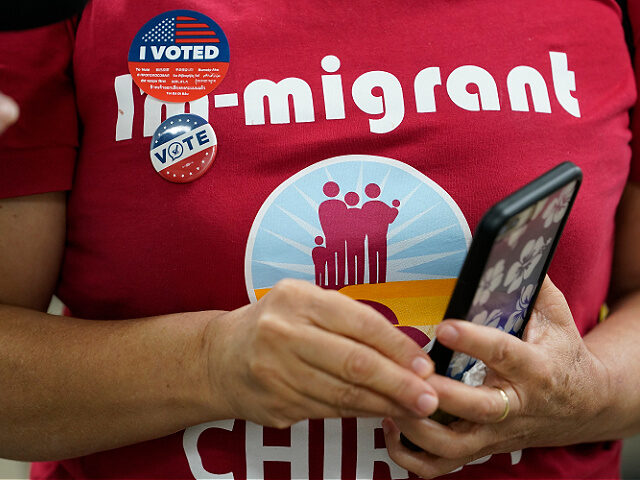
(514, 271)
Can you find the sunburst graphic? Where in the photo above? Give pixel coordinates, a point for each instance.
(427, 236)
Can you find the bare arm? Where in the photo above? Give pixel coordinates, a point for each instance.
(616, 342)
(72, 387)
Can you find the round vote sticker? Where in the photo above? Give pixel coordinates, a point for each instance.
(183, 148)
(179, 56)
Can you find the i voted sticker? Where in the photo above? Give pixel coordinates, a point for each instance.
(183, 148)
(179, 56)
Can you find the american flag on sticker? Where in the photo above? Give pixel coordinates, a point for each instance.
(180, 55)
(181, 29)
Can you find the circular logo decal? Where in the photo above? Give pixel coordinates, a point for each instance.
(371, 227)
(179, 56)
(183, 148)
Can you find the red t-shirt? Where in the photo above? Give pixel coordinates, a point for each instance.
(427, 112)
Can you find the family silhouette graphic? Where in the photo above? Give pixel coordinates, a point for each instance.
(349, 232)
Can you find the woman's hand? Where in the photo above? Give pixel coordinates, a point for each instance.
(304, 352)
(8, 112)
(555, 386)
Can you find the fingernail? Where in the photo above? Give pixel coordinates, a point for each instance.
(446, 334)
(427, 403)
(421, 366)
(385, 426)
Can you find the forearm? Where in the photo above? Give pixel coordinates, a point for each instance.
(616, 343)
(72, 387)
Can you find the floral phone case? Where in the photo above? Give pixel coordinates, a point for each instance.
(506, 264)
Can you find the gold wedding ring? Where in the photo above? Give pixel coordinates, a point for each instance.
(505, 397)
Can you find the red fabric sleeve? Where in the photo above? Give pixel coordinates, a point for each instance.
(634, 17)
(37, 154)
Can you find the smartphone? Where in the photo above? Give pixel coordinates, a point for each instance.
(505, 266)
